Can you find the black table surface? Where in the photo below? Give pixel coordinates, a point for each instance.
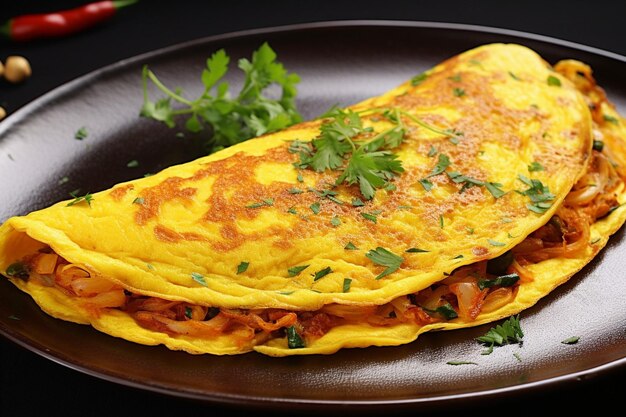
(32, 385)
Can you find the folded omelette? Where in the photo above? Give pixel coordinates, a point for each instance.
(511, 182)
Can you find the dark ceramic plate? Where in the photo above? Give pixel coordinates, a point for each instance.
(340, 63)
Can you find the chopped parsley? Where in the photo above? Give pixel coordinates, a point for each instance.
(428, 185)
(458, 92)
(517, 356)
(295, 270)
(198, 278)
(292, 210)
(598, 145)
(416, 250)
(370, 216)
(18, 270)
(553, 81)
(494, 189)
(610, 119)
(315, 208)
(503, 281)
(458, 257)
(370, 164)
(535, 166)
(347, 282)
(350, 246)
(294, 340)
(432, 151)
(495, 243)
(263, 203)
(356, 202)
(87, 198)
(446, 311)
(335, 222)
(540, 195)
(441, 221)
(81, 133)
(132, 164)
(321, 273)
(443, 163)
(418, 79)
(571, 340)
(515, 77)
(502, 334)
(139, 200)
(63, 180)
(188, 312)
(242, 267)
(295, 190)
(381, 256)
(455, 363)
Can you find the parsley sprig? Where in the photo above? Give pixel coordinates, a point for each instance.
(370, 164)
(503, 334)
(540, 195)
(232, 119)
(382, 256)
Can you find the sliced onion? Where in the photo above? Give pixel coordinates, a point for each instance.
(86, 287)
(45, 263)
(497, 299)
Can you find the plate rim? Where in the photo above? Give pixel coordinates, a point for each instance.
(272, 402)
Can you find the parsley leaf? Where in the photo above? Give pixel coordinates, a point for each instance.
(539, 195)
(322, 273)
(369, 216)
(535, 166)
(347, 282)
(81, 133)
(571, 340)
(610, 119)
(295, 270)
(350, 246)
(381, 256)
(554, 81)
(442, 164)
(418, 79)
(242, 267)
(198, 278)
(455, 363)
(294, 340)
(87, 198)
(231, 120)
(503, 281)
(505, 333)
(494, 189)
(416, 250)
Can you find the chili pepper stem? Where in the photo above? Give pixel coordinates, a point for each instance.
(118, 4)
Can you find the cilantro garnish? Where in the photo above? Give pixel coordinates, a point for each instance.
(503, 334)
(381, 256)
(495, 243)
(335, 222)
(242, 267)
(132, 164)
(231, 120)
(139, 200)
(356, 202)
(494, 189)
(198, 278)
(87, 198)
(432, 151)
(295, 270)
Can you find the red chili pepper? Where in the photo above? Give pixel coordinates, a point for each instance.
(66, 22)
